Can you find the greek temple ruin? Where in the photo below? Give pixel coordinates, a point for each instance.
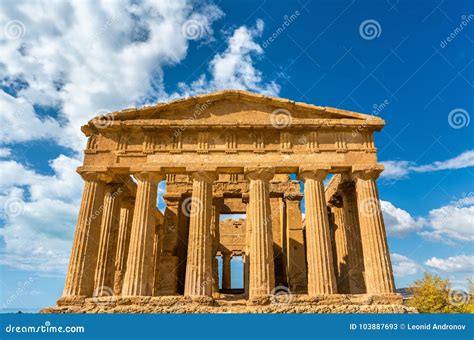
(223, 153)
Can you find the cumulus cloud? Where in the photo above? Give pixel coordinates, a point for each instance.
(404, 266)
(460, 263)
(39, 214)
(399, 222)
(234, 68)
(69, 61)
(401, 169)
(453, 222)
(86, 56)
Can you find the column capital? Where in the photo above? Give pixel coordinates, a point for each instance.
(318, 173)
(148, 176)
(368, 173)
(259, 173)
(204, 176)
(93, 176)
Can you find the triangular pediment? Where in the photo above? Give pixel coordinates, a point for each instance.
(242, 108)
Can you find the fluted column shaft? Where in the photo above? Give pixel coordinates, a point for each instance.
(80, 275)
(321, 277)
(356, 258)
(342, 252)
(378, 268)
(226, 274)
(140, 258)
(198, 280)
(123, 242)
(262, 270)
(104, 273)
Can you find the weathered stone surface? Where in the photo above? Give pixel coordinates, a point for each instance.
(230, 152)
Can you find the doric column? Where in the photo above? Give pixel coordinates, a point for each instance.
(105, 271)
(262, 270)
(356, 258)
(140, 257)
(123, 242)
(199, 261)
(321, 278)
(296, 260)
(80, 275)
(341, 257)
(378, 269)
(216, 208)
(226, 275)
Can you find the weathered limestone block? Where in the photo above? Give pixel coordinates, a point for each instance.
(167, 281)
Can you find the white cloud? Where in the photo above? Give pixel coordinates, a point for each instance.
(39, 214)
(79, 58)
(401, 169)
(86, 56)
(404, 266)
(234, 68)
(398, 221)
(460, 263)
(452, 222)
(5, 152)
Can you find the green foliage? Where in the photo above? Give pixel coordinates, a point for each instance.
(432, 294)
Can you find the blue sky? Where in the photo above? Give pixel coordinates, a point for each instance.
(61, 63)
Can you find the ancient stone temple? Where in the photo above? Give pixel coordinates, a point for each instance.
(230, 152)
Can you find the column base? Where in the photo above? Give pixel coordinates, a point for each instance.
(292, 303)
